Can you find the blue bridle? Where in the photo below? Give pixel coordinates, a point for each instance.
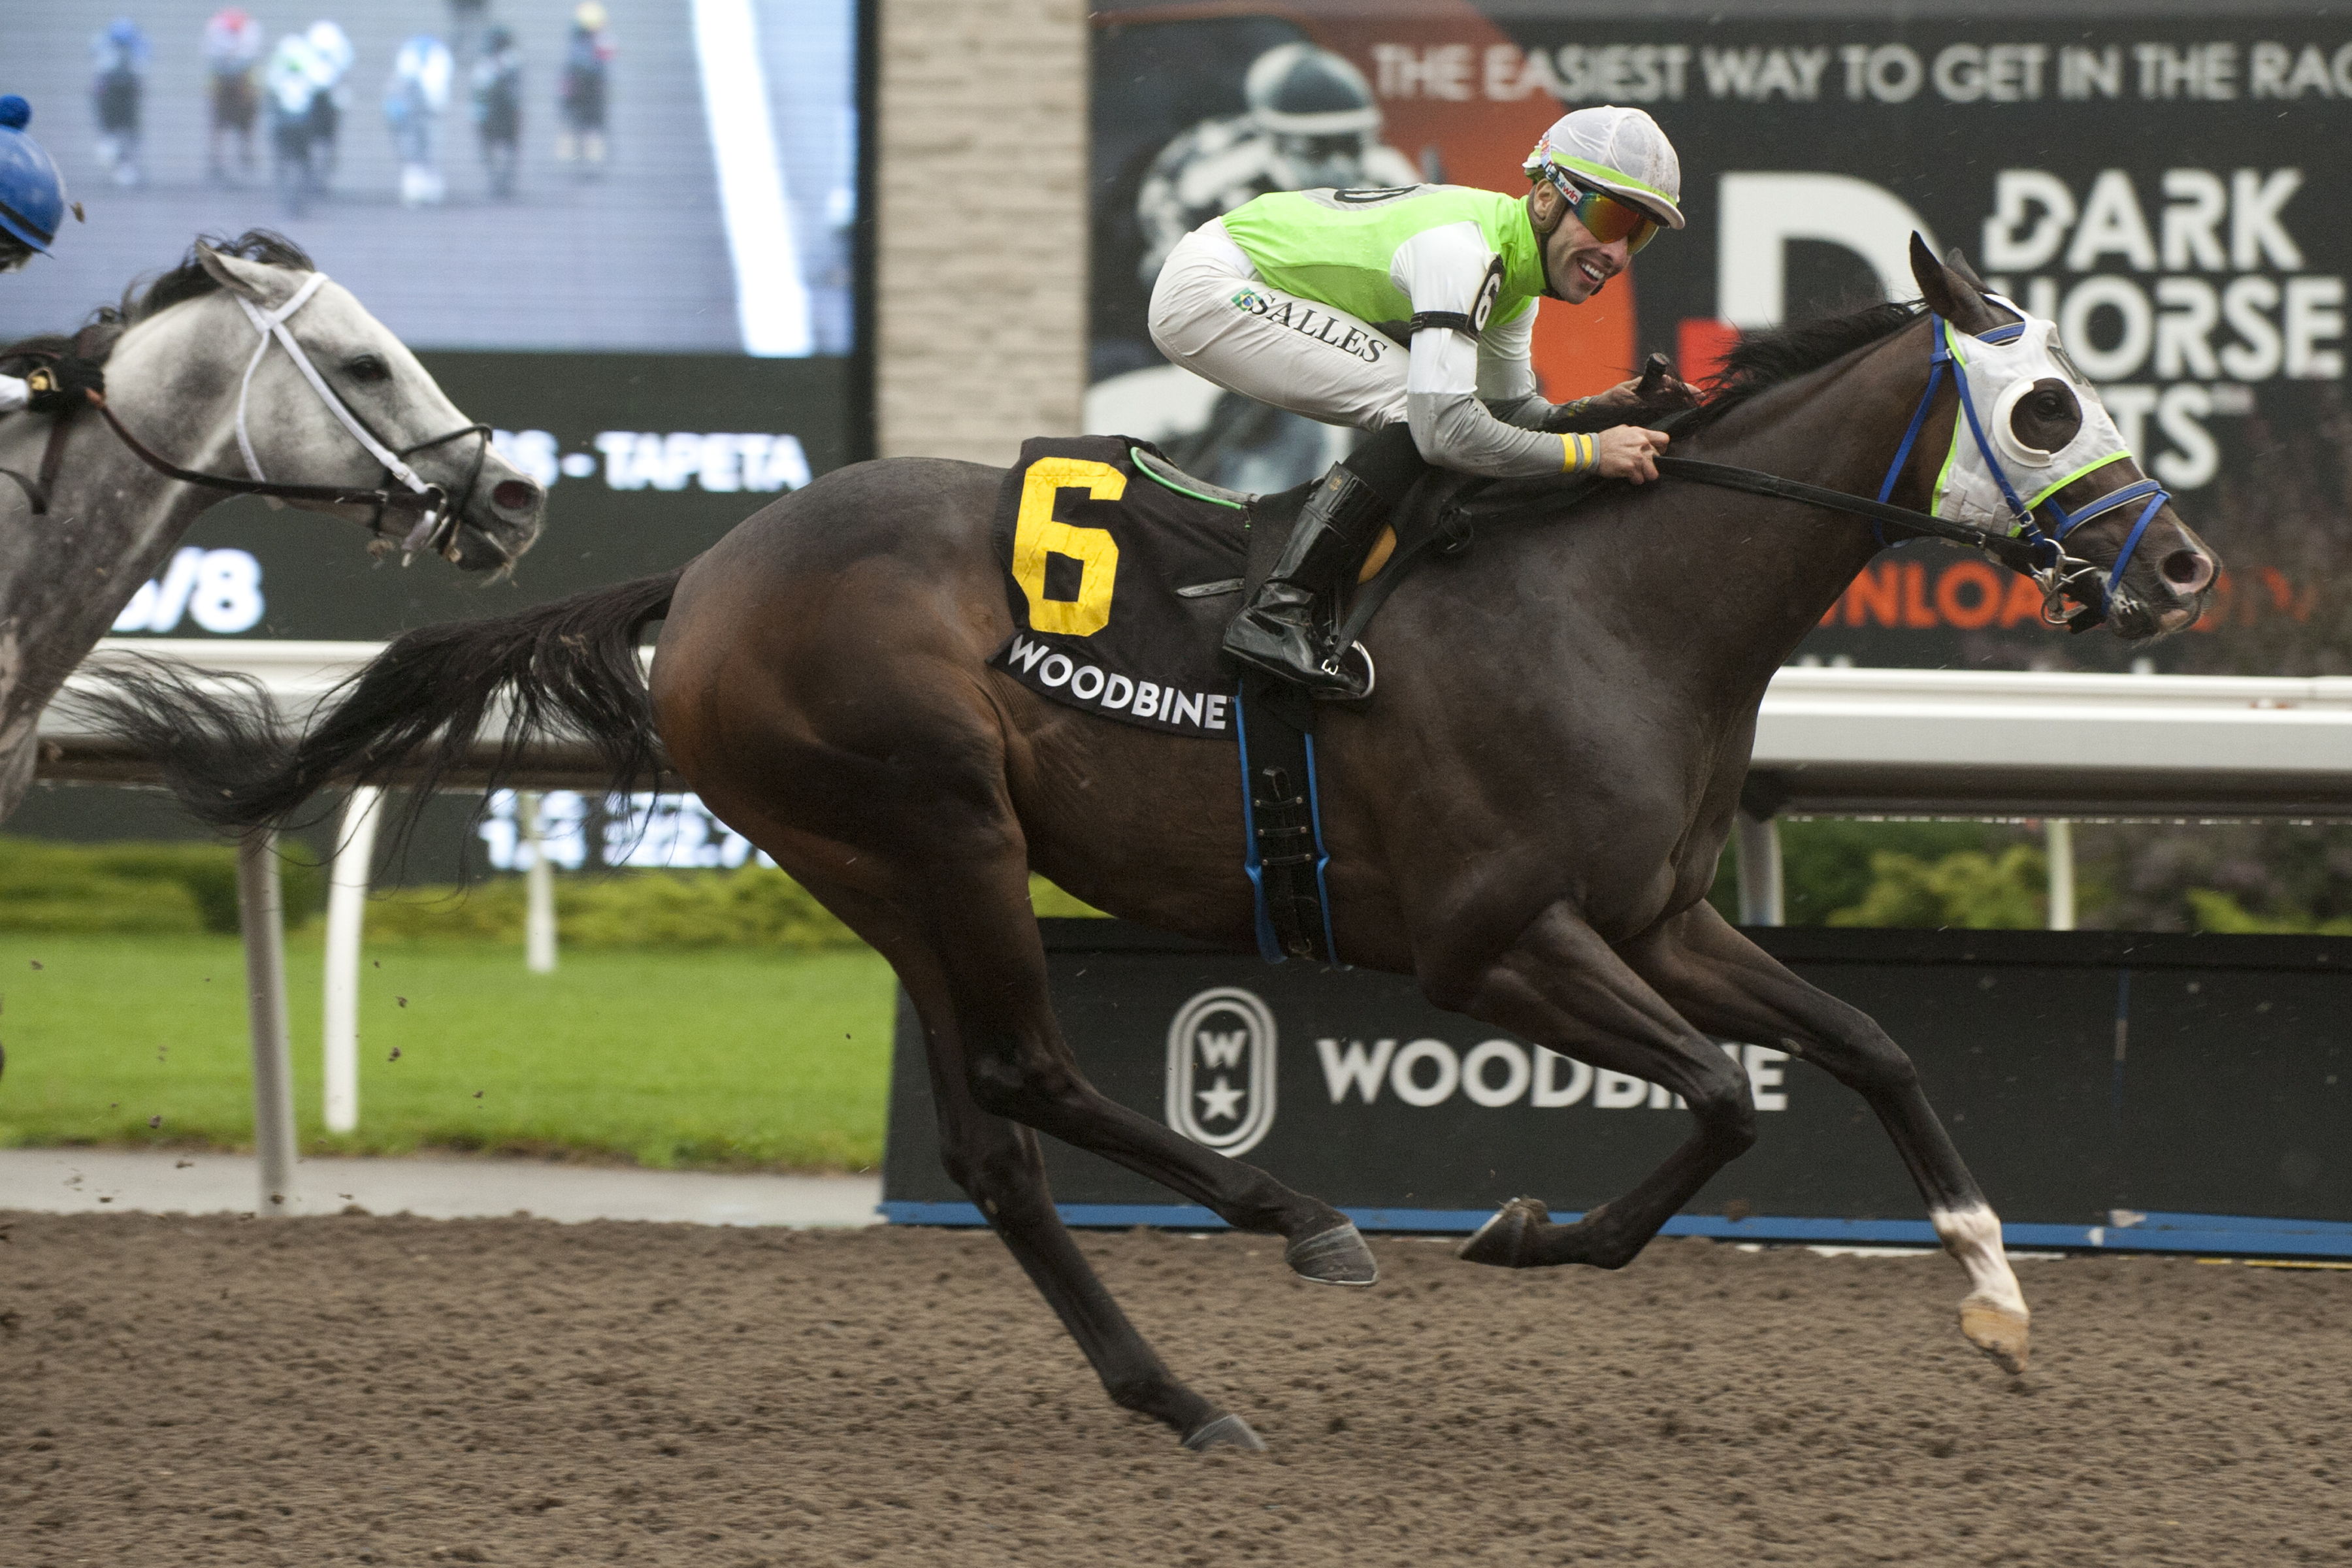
(2049, 543)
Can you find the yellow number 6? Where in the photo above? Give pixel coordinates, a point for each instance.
(1035, 534)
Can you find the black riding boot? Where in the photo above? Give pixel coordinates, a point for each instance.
(1276, 631)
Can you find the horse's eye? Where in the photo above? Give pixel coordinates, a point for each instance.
(367, 368)
(2049, 405)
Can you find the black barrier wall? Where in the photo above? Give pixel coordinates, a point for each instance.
(2092, 1079)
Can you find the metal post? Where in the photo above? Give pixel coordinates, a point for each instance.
(347, 890)
(260, 904)
(1760, 871)
(2060, 836)
(539, 883)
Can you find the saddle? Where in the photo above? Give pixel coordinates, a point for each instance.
(1121, 572)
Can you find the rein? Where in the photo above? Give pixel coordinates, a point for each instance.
(2013, 553)
(36, 491)
(436, 524)
(2028, 549)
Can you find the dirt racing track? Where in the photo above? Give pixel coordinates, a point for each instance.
(401, 1391)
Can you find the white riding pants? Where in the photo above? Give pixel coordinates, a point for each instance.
(1211, 314)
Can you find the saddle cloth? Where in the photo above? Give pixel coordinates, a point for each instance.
(1121, 572)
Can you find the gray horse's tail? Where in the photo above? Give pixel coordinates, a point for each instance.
(566, 672)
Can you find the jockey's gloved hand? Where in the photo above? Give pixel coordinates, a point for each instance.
(64, 385)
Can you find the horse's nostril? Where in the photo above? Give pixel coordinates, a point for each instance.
(519, 495)
(2188, 570)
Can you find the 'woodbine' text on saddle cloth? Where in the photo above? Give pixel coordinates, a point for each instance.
(1119, 585)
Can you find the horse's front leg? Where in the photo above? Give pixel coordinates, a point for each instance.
(1561, 987)
(1727, 986)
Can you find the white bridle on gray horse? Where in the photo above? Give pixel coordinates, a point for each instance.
(436, 524)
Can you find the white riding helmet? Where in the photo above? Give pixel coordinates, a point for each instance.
(1619, 151)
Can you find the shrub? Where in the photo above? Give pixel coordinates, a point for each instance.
(159, 889)
(208, 871)
(1968, 888)
(2215, 911)
(756, 906)
(487, 912)
(1828, 865)
(752, 907)
(133, 886)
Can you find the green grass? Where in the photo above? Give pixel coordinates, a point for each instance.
(712, 1057)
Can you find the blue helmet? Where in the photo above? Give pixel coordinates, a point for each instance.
(32, 196)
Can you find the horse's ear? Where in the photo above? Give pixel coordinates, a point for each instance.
(264, 286)
(1959, 262)
(1947, 293)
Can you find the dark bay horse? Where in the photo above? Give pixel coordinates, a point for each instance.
(1527, 817)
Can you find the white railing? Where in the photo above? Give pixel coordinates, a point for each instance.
(1999, 742)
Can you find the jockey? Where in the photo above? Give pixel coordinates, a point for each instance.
(32, 205)
(1301, 300)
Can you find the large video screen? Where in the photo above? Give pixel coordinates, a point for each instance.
(2161, 183)
(635, 176)
(624, 234)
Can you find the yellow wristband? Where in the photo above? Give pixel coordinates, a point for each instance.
(1580, 452)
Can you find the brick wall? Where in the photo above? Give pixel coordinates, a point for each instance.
(981, 268)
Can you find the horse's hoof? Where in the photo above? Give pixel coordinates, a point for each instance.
(1334, 1256)
(2001, 1332)
(1508, 1240)
(1226, 1432)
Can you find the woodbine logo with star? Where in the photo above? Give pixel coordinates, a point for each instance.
(1221, 1070)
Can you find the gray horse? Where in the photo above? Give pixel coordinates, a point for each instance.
(184, 384)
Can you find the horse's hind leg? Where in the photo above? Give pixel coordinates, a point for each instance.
(1018, 1066)
(997, 1162)
(1727, 986)
(1561, 987)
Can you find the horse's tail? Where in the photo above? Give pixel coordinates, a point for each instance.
(567, 671)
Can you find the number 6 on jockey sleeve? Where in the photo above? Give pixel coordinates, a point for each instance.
(1036, 533)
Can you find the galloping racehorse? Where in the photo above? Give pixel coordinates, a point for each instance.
(209, 393)
(1526, 817)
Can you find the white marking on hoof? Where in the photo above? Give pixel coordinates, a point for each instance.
(1226, 1432)
(1335, 1257)
(1997, 1330)
(1502, 1239)
(1994, 1315)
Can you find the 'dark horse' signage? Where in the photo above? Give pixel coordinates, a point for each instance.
(2158, 182)
(2078, 1072)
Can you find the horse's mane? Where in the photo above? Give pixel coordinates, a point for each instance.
(188, 280)
(1762, 360)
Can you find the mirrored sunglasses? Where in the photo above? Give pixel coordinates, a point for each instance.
(1604, 218)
